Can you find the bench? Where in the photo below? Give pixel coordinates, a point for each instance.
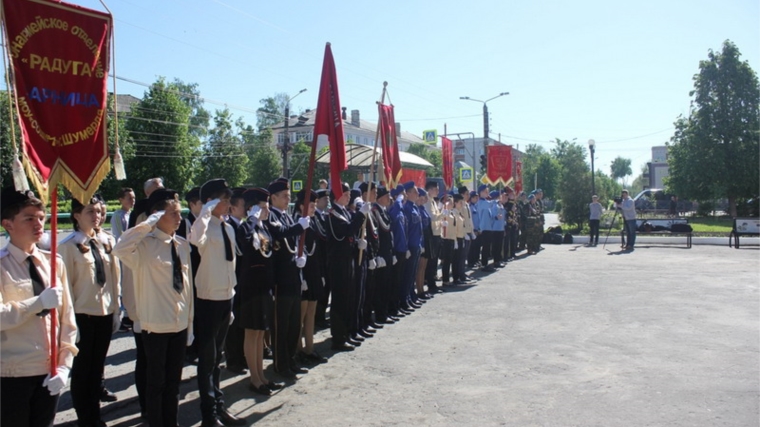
(743, 227)
(661, 227)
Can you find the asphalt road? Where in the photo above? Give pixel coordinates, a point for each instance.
(573, 336)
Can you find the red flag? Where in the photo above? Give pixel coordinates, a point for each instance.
(518, 177)
(499, 164)
(448, 162)
(389, 141)
(60, 56)
(328, 124)
(419, 176)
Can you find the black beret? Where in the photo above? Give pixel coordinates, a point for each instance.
(255, 195)
(366, 185)
(96, 198)
(382, 191)
(160, 195)
(279, 184)
(193, 194)
(301, 196)
(345, 188)
(458, 197)
(354, 194)
(463, 190)
(322, 193)
(10, 197)
(212, 187)
(237, 192)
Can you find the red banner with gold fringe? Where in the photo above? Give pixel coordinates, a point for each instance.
(499, 165)
(518, 177)
(60, 55)
(447, 152)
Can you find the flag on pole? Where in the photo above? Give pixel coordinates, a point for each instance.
(499, 165)
(60, 55)
(448, 162)
(328, 124)
(389, 141)
(518, 177)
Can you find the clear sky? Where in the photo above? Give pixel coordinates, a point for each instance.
(617, 72)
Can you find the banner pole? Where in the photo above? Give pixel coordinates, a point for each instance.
(53, 281)
(372, 166)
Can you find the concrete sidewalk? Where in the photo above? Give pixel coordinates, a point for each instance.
(573, 336)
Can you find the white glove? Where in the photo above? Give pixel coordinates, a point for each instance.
(445, 212)
(255, 211)
(473, 236)
(210, 205)
(381, 262)
(400, 198)
(323, 282)
(362, 244)
(422, 251)
(444, 223)
(301, 261)
(136, 327)
(58, 382)
(304, 222)
(154, 218)
(456, 245)
(467, 236)
(358, 201)
(116, 321)
(190, 339)
(232, 317)
(372, 264)
(304, 286)
(365, 208)
(395, 260)
(256, 241)
(51, 297)
(408, 254)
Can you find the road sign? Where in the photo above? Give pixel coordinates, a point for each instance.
(465, 174)
(297, 185)
(430, 136)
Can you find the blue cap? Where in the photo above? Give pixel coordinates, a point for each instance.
(473, 194)
(482, 187)
(494, 194)
(538, 190)
(531, 196)
(408, 185)
(421, 191)
(397, 191)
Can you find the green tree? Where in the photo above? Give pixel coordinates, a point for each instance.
(110, 185)
(164, 146)
(574, 184)
(430, 154)
(299, 163)
(223, 153)
(540, 170)
(640, 182)
(6, 140)
(620, 168)
(265, 165)
(714, 152)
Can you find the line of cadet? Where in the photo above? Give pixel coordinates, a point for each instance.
(239, 278)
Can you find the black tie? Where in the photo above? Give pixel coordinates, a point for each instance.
(37, 284)
(227, 244)
(177, 264)
(100, 272)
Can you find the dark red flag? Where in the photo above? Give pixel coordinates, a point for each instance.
(60, 56)
(448, 162)
(518, 177)
(389, 141)
(499, 164)
(328, 126)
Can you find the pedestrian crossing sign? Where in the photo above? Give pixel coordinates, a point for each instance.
(465, 174)
(297, 185)
(430, 136)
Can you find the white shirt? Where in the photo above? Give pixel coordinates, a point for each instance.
(215, 279)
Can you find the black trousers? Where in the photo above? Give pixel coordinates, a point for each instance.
(212, 321)
(431, 270)
(594, 226)
(497, 246)
(357, 301)
(341, 273)
(461, 259)
(87, 370)
(486, 238)
(287, 329)
(370, 298)
(474, 254)
(25, 402)
(141, 371)
(447, 259)
(382, 289)
(398, 281)
(166, 356)
(233, 345)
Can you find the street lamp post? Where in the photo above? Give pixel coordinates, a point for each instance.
(286, 141)
(485, 117)
(592, 149)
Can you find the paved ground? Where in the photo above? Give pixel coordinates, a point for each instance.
(574, 336)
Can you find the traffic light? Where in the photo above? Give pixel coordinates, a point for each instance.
(483, 163)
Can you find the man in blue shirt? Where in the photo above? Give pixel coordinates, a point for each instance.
(474, 253)
(485, 217)
(414, 242)
(400, 247)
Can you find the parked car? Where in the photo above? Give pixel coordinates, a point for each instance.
(655, 200)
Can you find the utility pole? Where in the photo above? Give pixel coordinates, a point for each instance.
(486, 130)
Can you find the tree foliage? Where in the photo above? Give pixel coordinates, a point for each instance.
(715, 152)
(164, 144)
(575, 181)
(540, 170)
(6, 140)
(620, 168)
(430, 154)
(264, 159)
(224, 155)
